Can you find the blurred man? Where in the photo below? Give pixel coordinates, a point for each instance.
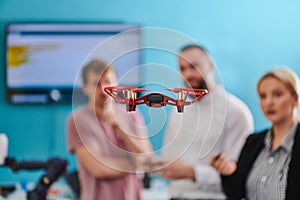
(218, 122)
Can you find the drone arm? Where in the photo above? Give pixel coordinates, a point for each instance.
(200, 95)
(170, 101)
(140, 100)
(110, 91)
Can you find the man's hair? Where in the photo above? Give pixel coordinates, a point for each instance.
(96, 66)
(197, 46)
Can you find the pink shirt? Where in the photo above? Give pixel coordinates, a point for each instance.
(84, 128)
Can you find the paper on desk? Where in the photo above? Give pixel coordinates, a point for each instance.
(3, 148)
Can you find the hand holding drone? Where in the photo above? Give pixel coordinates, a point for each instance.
(128, 95)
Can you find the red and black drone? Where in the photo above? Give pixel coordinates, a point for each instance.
(128, 95)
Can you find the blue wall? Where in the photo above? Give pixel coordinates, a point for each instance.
(245, 38)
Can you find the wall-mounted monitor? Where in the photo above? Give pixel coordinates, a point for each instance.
(44, 59)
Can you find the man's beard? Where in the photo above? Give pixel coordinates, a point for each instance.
(201, 85)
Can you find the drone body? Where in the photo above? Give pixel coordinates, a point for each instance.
(128, 95)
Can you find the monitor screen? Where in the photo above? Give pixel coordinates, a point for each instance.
(43, 60)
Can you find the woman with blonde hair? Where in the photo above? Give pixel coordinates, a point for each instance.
(268, 166)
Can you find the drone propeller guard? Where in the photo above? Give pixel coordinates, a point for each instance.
(128, 95)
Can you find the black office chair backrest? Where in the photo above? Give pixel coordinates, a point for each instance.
(73, 181)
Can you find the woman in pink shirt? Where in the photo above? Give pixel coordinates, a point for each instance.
(106, 140)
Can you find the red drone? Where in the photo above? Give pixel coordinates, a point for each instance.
(128, 95)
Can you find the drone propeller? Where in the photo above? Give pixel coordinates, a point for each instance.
(190, 91)
(124, 89)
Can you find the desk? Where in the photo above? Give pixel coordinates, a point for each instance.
(152, 194)
(159, 191)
